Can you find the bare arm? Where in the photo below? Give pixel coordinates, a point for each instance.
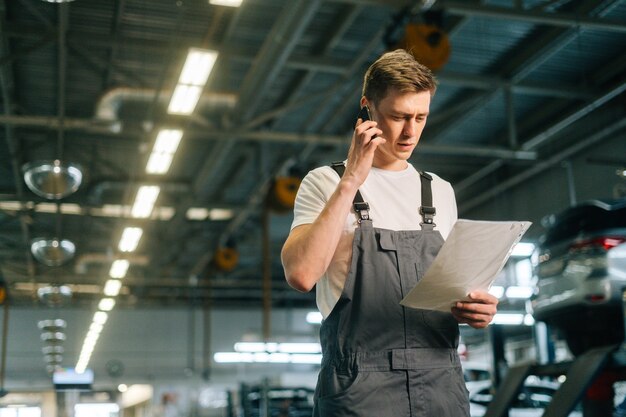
(310, 247)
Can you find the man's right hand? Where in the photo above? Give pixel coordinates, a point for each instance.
(365, 139)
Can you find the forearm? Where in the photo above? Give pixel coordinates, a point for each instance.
(309, 249)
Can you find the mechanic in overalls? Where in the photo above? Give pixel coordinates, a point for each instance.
(364, 233)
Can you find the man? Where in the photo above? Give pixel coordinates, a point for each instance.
(365, 234)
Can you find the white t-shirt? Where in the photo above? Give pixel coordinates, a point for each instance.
(394, 198)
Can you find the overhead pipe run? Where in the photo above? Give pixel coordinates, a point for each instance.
(108, 106)
(83, 261)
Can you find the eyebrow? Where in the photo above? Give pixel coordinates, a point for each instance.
(401, 113)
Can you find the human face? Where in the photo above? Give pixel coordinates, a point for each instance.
(402, 117)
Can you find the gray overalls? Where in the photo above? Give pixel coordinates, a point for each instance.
(379, 358)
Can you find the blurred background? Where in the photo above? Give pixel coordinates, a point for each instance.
(150, 152)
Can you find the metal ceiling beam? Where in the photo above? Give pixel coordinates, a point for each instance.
(268, 63)
(489, 82)
(537, 140)
(287, 137)
(497, 190)
(547, 134)
(272, 56)
(266, 136)
(115, 33)
(526, 60)
(555, 19)
(559, 38)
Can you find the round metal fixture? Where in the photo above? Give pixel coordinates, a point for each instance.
(52, 350)
(53, 337)
(52, 179)
(52, 368)
(52, 252)
(57, 325)
(54, 295)
(53, 359)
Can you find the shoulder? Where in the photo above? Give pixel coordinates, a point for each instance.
(321, 178)
(438, 182)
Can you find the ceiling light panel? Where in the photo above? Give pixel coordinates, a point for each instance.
(130, 239)
(193, 77)
(167, 141)
(198, 66)
(165, 147)
(144, 201)
(119, 268)
(106, 304)
(112, 287)
(184, 99)
(229, 3)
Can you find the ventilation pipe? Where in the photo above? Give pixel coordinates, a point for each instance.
(107, 108)
(84, 260)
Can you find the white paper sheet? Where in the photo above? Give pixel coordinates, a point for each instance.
(470, 259)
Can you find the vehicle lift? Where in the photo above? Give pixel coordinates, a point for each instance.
(580, 374)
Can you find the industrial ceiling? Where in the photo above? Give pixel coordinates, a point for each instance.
(529, 85)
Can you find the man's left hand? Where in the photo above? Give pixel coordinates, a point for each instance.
(478, 311)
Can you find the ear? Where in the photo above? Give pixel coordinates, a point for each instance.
(364, 102)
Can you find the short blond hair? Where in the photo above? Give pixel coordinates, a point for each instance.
(397, 70)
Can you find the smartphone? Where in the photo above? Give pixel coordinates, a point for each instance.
(364, 114)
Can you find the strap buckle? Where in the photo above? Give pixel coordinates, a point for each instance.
(363, 210)
(428, 214)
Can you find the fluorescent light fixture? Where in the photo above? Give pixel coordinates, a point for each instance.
(259, 347)
(255, 347)
(193, 77)
(215, 214)
(523, 249)
(198, 66)
(144, 201)
(92, 337)
(167, 141)
(264, 357)
(197, 213)
(218, 214)
(228, 3)
(510, 319)
(497, 291)
(112, 287)
(314, 317)
(159, 163)
(96, 327)
(165, 147)
(519, 292)
(106, 304)
(184, 99)
(119, 268)
(299, 348)
(310, 359)
(100, 317)
(130, 239)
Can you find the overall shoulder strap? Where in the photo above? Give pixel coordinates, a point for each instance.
(361, 208)
(426, 209)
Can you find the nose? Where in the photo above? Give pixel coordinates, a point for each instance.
(410, 127)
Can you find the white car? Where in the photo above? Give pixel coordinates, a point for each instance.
(532, 400)
(580, 273)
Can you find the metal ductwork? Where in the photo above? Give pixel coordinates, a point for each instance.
(109, 104)
(82, 261)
